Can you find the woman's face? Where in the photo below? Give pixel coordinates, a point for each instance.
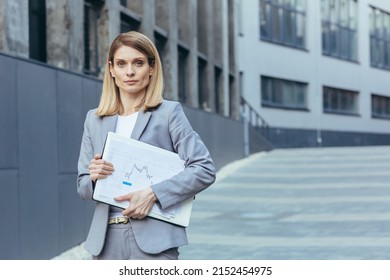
(130, 70)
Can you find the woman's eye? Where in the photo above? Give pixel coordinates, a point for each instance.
(120, 64)
(139, 63)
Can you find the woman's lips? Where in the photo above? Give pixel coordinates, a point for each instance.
(131, 82)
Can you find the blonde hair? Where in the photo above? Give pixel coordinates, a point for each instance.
(110, 102)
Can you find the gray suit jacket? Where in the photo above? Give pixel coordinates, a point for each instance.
(166, 127)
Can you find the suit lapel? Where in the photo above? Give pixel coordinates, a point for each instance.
(109, 124)
(141, 123)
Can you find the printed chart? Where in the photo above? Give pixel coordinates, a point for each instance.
(138, 165)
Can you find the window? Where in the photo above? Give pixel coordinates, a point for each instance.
(283, 93)
(231, 95)
(91, 40)
(217, 89)
(182, 67)
(283, 22)
(380, 38)
(380, 106)
(160, 42)
(37, 29)
(340, 101)
(203, 100)
(339, 29)
(128, 24)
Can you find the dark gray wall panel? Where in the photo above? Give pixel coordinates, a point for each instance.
(37, 113)
(91, 94)
(10, 217)
(295, 138)
(257, 143)
(69, 94)
(8, 133)
(336, 138)
(219, 135)
(72, 209)
(228, 141)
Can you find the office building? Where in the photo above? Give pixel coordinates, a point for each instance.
(195, 39)
(317, 72)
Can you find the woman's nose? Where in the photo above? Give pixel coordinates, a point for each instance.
(130, 70)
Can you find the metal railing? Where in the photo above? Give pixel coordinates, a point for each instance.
(251, 118)
(254, 118)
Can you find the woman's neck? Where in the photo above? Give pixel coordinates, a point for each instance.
(130, 103)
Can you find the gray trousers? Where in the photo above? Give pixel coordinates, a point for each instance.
(120, 244)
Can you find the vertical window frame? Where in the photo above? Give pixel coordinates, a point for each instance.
(275, 14)
(379, 38)
(339, 29)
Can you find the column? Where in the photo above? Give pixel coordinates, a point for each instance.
(171, 63)
(14, 27)
(193, 94)
(225, 57)
(64, 20)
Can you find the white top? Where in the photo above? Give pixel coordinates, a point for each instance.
(125, 124)
(124, 127)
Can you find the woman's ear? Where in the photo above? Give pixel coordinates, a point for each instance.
(111, 69)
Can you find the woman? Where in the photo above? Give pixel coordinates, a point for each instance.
(132, 104)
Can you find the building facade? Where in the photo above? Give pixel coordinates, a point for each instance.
(317, 72)
(195, 39)
(51, 61)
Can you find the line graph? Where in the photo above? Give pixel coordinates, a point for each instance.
(138, 165)
(139, 171)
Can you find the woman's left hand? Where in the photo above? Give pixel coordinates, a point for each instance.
(141, 203)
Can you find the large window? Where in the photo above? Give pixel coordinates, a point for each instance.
(183, 72)
(283, 22)
(340, 101)
(160, 42)
(380, 106)
(283, 93)
(339, 28)
(202, 77)
(231, 95)
(91, 38)
(217, 89)
(128, 23)
(380, 38)
(37, 29)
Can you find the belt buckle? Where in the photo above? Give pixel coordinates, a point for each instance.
(120, 220)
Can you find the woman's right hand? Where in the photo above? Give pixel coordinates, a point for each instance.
(99, 168)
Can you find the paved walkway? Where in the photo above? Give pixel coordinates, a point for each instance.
(319, 203)
(328, 203)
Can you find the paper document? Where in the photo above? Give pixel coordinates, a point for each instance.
(136, 166)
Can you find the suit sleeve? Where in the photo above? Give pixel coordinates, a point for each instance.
(84, 183)
(199, 172)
